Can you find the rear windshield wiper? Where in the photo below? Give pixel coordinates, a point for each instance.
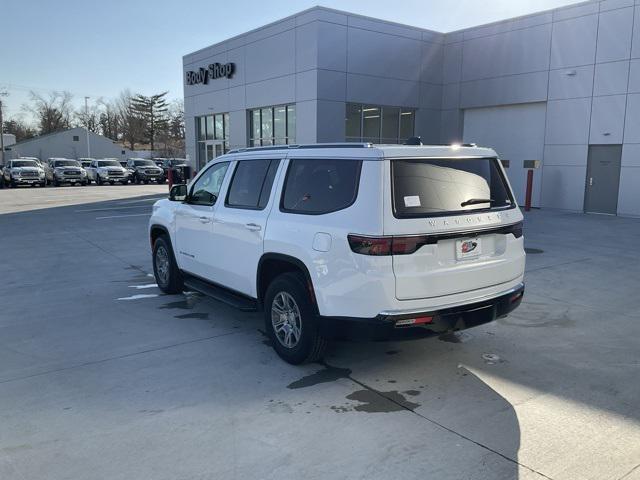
(475, 201)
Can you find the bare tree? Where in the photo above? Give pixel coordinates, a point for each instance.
(89, 118)
(131, 124)
(52, 112)
(110, 122)
(172, 137)
(176, 120)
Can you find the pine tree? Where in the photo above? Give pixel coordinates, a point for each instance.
(152, 110)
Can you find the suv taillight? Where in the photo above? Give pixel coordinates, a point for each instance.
(388, 245)
(370, 245)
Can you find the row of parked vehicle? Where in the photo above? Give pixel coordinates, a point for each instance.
(64, 171)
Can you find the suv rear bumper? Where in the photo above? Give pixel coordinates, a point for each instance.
(385, 325)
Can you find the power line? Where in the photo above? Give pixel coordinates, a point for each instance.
(27, 88)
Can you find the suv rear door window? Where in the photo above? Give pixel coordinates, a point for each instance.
(318, 186)
(432, 187)
(251, 184)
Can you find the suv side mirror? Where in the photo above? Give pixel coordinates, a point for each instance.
(178, 193)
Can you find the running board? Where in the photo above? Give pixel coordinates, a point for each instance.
(221, 294)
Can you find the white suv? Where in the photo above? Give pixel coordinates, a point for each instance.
(335, 239)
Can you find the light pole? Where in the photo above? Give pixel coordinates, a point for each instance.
(86, 119)
(2, 94)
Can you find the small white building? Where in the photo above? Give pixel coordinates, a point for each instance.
(70, 143)
(8, 139)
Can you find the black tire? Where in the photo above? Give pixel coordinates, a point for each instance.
(13, 184)
(174, 282)
(98, 180)
(146, 182)
(43, 184)
(160, 180)
(311, 344)
(56, 183)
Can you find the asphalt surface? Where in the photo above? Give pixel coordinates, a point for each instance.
(102, 376)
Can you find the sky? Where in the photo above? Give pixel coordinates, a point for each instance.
(98, 48)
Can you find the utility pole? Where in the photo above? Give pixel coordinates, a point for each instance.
(2, 94)
(86, 119)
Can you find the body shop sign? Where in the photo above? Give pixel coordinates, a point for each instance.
(212, 72)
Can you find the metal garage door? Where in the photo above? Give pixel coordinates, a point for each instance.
(516, 132)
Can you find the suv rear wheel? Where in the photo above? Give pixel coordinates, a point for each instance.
(165, 268)
(291, 322)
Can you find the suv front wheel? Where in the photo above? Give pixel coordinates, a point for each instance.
(165, 268)
(291, 321)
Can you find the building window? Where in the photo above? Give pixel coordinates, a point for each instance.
(378, 124)
(272, 125)
(76, 138)
(212, 133)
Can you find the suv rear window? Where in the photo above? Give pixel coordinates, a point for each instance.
(320, 186)
(432, 187)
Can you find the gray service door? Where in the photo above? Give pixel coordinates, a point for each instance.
(603, 179)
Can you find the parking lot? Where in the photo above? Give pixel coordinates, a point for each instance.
(102, 376)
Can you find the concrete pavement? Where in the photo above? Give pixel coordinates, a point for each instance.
(102, 376)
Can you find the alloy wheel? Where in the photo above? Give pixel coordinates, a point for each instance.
(286, 320)
(162, 265)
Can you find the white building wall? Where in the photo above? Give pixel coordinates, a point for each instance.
(582, 60)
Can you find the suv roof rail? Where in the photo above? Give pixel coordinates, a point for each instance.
(303, 146)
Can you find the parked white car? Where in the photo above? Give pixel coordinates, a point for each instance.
(391, 241)
(107, 170)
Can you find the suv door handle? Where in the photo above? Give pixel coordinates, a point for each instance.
(254, 227)
(205, 219)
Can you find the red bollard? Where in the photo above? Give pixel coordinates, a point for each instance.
(527, 201)
(170, 177)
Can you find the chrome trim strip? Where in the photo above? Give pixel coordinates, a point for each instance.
(480, 298)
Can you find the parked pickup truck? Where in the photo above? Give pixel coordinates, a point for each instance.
(145, 171)
(107, 170)
(23, 171)
(63, 170)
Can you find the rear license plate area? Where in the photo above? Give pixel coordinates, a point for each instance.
(468, 248)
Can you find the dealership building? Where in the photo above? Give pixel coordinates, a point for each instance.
(561, 87)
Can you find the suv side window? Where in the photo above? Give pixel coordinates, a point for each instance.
(207, 188)
(251, 184)
(318, 186)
